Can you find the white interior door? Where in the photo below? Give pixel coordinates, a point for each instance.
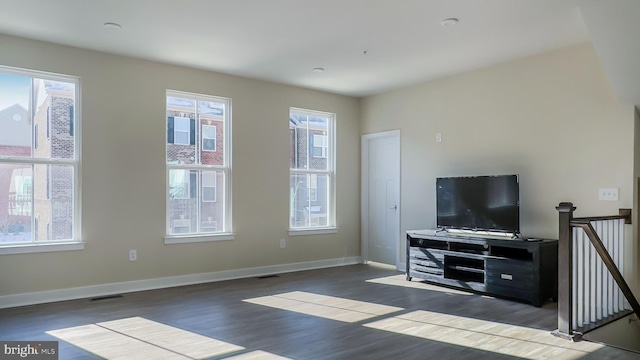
(382, 191)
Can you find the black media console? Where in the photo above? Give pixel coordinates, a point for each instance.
(516, 269)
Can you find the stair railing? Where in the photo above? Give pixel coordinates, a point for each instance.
(591, 288)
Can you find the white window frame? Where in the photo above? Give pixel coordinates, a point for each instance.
(329, 172)
(225, 233)
(215, 141)
(75, 243)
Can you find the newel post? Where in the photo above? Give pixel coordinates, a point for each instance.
(565, 269)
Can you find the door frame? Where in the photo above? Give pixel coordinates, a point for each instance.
(364, 194)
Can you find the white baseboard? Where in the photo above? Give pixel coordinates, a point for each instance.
(42, 297)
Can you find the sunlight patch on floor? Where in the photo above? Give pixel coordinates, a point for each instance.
(257, 355)
(137, 337)
(329, 307)
(111, 345)
(401, 280)
(523, 342)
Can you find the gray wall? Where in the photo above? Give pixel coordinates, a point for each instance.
(551, 118)
(123, 173)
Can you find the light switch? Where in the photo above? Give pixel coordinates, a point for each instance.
(608, 194)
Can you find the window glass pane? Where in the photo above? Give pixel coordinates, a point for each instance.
(208, 131)
(212, 212)
(309, 200)
(309, 141)
(20, 118)
(181, 124)
(183, 202)
(182, 141)
(209, 186)
(181, 130)
(55, 102)
(212, 116)
(16, 184)
(53, 201)
(179, 103)
(179, 184)
(196, 196)
(209, 138)
(37, 118)
(208, 145)
(15, 121)
(181, 137)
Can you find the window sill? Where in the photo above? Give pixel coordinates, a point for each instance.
(313, 231)
(40, 248)
(196, 238)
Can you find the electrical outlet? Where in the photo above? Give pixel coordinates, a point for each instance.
(133, 255)
(283, 243)
(608, 194)
(438, 137)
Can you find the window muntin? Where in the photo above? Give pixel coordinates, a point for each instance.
(39, 168)
(312, 174)
(198, 172)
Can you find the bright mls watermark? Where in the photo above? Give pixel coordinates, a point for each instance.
(39, 350)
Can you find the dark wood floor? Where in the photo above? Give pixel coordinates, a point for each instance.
(216, 310)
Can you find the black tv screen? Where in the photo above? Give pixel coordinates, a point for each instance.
(484, 203)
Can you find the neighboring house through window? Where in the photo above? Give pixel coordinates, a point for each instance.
(319, 145)
(38, 176)
(312, 170)
(198, 172)
(209, 186)
(208, 138)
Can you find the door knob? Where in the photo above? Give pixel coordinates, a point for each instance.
(394, 207)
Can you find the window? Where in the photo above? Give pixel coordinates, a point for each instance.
(208, 186)
(181, 130)
(312, 170)
(313, 187)
(40, 179)
(319, 145)
(198, 172)
(208, 138)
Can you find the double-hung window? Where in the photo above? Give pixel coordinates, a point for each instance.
(312, 170)
(198, 167)
(209, 137)
(38, 170)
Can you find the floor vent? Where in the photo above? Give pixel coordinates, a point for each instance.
(105, 297)
(268, 276)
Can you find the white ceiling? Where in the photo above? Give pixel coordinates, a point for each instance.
(283, 40)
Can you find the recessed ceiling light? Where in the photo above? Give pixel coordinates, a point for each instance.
(318, 70)
(112, 26)
(449, 22)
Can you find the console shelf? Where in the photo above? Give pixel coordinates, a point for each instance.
(515, 269)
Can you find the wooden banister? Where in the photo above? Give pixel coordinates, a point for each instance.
(565, 270)
(611, 266)
(565, 264)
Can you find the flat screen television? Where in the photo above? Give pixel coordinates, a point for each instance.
(479, 203)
